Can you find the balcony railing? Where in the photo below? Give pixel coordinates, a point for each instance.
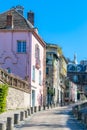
(14, 81)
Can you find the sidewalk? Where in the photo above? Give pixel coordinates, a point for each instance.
(59, 118)
(10, 113)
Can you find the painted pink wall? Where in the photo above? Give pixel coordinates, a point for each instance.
(39, 88)
(21, 64)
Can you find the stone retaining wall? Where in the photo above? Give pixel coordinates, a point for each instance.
(80, 112)
(19, 90)
(17, 99)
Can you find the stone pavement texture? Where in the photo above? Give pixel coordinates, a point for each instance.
(60, 118)
(10, 113)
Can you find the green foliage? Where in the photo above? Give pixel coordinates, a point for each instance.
(3, 95)
(51, 92)
(60, 50)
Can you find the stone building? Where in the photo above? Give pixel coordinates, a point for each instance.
(77, 73)
(71, 91)
(53, 73)
(63, 77)
(22, 51)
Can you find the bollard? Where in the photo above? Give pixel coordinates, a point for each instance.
(9, 123)
(39, 108)
(16, 118)
(44, 107)
(29, 112)
(21, 116)
(35, 109)
(2, 126)
(32, 110)
(26, 114)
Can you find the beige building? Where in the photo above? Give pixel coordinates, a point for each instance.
(55, 74)
(63, 78)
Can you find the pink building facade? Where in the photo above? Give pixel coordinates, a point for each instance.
(22, 52)
(73, 92)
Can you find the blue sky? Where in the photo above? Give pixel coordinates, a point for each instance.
(63, 22)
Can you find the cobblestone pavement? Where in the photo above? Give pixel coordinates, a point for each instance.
(54, 119)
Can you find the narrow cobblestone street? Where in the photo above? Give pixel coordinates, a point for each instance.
(54, 119)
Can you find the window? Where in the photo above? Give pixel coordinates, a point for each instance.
(37, 56)
(47, 70)
(37, 52)
(39, 77)
(21, 46)
(8, 70)
(33, 73)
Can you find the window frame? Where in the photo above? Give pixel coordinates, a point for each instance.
(21, 46)
(39, 77)
(33, 73)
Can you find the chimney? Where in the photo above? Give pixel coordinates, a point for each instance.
(19, 9)
(30, 17)
(9, 20)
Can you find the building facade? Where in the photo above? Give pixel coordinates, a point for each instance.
(53, 74)
(63, 76)
(77, 73)
(22, 51)
(71, 92)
